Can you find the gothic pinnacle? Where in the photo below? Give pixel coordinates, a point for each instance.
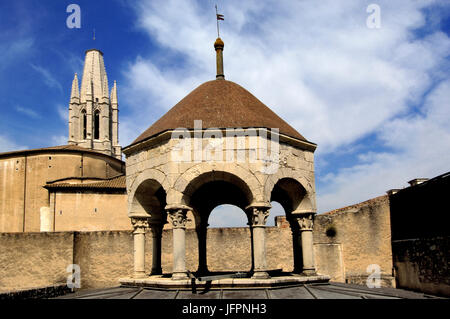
(75, 93)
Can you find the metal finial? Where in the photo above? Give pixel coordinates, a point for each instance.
(94, 35)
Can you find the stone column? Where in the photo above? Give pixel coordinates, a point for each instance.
(257, 221)
(140, 224)
(202, 231)
(178, 219)
(305, 223)
(156, 247)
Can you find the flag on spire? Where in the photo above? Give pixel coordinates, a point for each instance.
(219, 17)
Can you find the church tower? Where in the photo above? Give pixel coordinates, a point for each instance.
(93, 110)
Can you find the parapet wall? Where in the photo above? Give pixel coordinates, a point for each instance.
(350, 239)
(346, 242)
(31, 260)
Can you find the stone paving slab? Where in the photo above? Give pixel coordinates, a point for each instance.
(300, 291)
(290, 293)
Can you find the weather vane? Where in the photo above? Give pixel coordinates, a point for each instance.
(219, 17)
(94, 35)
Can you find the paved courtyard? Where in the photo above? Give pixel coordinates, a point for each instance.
(303, 291)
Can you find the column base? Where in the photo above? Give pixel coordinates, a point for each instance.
(260, 275)
(202, 270)
(180, 276)
(140, 275)
(156, 272)
(309, 272)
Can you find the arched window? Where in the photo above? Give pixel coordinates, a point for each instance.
(97, 125)
(84, 119)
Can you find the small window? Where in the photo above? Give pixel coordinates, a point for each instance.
(97, 125)
(84, 119)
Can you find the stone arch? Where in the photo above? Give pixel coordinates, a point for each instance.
(304, 189)
(206, 172)
(147, 194)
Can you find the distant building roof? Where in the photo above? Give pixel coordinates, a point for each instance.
(61, 148)
(219, 104)
(118, 183)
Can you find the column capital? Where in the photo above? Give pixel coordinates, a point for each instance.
(140, 224)
(304, 220)
(258, 215)
(177, 215)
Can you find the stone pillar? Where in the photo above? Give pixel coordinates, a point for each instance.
(305, 223)
(178, 219)
(156, 248)
(257, 221)
(202, 231)
(140, 224)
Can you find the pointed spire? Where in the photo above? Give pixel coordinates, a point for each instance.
(114, 93)
(75, 93)
(105, 86)
(218, 46)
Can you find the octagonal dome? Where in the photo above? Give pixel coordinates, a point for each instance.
(219, 104)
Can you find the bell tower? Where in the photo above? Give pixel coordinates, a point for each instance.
(93, 110)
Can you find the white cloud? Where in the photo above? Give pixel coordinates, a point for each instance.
(63, 113)
(28, 112)
(7, 145)
(59, 140)
(48, 78)
(11, 50)
(421, 148)
(317, 65)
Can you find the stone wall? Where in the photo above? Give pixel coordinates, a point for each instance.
(90, 211)
(423, 264)
(22, 179)
(41, 259)
(349, 239)
(362, 237)
(30, 260)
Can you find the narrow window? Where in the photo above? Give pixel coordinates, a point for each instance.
(83, 115)
(97, 125)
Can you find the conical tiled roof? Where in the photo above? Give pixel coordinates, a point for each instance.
(219, 104)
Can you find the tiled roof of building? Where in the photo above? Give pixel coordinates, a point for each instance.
(117, 182)
(219, 104)
(60, 148)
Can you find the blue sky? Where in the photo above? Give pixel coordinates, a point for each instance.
(376, 101)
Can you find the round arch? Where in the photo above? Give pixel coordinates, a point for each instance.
(147, 193)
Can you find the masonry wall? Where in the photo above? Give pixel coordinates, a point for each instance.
(40, 259)
(350, 239)
(89, 211)
(362, 238)
(423, 264)
(34, 259)
(421, 236)
(22, 179)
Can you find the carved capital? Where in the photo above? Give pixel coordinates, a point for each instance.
(139, 225)
(178, 217)
(305, 221)
(258, 216)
